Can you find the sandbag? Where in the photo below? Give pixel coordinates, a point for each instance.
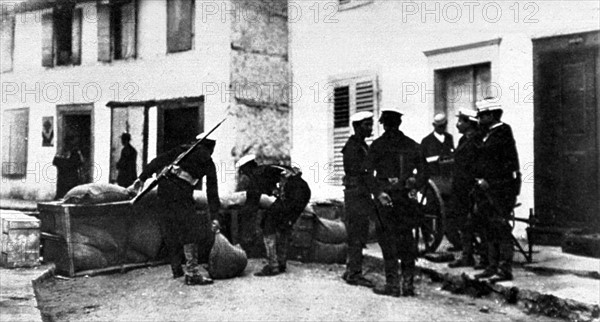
(330, 231)
(96, 193)
(95, 237)
(144, 236)
(134, 256)
(88, 257)
(226, 260)
(329, 253)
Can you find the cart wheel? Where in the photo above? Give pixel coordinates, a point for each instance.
(430, 233)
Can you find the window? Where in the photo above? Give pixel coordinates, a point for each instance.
(461, 87)
(8, 42)
(15, 126)
(180, 25)
(61, 36)
(117, 30)
(349, 96)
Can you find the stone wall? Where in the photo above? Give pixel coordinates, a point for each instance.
(260, 74)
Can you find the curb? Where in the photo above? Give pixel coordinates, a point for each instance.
(532, 302)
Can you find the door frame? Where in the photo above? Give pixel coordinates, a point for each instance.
(75, 109)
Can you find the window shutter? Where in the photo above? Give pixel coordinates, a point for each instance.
(14, 137)
(48, 39)
(179, 25)
(349, 96)
(8, 42)
(104, 50)
(76, 37)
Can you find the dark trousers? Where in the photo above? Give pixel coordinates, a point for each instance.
(496, 206)
(180, 223)
(397, 240)
(359, 207)
(459, 218)
(283, 213)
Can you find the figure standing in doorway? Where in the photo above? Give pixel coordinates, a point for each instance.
(127, 162)
(68, 165)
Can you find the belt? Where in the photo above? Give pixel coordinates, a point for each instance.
(393, 180)
(183, 175)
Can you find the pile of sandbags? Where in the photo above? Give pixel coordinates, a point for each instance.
(107, 231)
(319, 240)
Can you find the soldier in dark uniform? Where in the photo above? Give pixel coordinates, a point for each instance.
(438, 149)
(463, 181)
(357, 197)
(293, 194)
(127, 166)
(184, 229)
(498, 184)
(394, 157)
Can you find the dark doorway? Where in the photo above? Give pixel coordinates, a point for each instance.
(178, 123)
(75, 121)
(567, 166)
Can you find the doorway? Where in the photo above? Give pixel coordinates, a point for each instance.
(178, 123)
(75, 125)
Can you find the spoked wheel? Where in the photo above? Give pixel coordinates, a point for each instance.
(430, 233)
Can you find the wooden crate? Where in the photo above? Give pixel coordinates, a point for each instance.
(58, 221)
(20, 239)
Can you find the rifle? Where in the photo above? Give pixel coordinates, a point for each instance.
(168, 168)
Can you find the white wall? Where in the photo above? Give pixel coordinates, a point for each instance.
(153, 75)
(389, 37)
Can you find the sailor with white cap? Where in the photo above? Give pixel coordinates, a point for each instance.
(498, 180)
(463, 181)
(357, 197)
(438, 145)
(293, 194)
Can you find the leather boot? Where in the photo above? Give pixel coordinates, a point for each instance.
(272, 267)
(192, 268)
(408, 277)
(281, 245)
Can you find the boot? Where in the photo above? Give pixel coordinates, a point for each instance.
(387, 289)
(191, 268)
(281, 246)
(408, 277)
(177, 261)
(272, 267)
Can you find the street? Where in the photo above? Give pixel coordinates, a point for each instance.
(308, 292)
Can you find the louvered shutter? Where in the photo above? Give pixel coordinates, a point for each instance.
(76, 37)
(349, 96)
(8, 42)
(48, 39)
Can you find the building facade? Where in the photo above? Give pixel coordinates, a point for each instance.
(422, 58)
(162, 71)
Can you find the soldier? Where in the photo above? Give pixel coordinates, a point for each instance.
(357, 198)
(394, 157)
(498, 184)
(184, 229)
(293, 194)
(438, 148)
(463, 181)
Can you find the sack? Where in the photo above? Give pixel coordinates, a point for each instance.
(226, 260)
(330, 231)
(96, 193)
(329, 253)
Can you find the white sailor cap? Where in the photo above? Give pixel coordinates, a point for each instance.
(360, 116)
(244, 160)
(439, 119)
(488, 104)
(468, 113)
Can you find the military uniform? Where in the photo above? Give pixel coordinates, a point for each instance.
(394, 157)
(463, 181)
(359, 206)
(293, 194)
(499, 184)
(184, 230)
